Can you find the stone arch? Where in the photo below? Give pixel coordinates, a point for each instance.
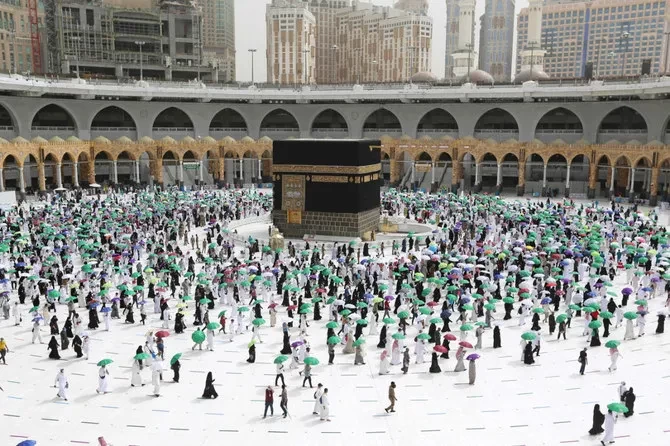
(53, 116)
(279, 119)
(10, 173)
(50, 165)
(113, 117)
(496, 123)
(561, 123)
(228, 119)
(8, 125)
(623, 124)
(424, 156)
(173, 122)
(266, 165)
(437, 121)
(31, 174)
(103, 167)
(382, 120)
(329, 121)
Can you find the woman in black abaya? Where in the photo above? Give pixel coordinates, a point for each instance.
(434, 366)
(53, 347)
(210, 391)
(598, 420)
(528, 354)
(382, 337)
(496, 337)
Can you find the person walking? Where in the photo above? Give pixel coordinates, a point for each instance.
(583, 360)
(622, 391)
(629, 401)
(209, 391)
(317, 399)
(325, 406)
(283, 404)
(62, 384)
(280, 374)
(307, 375)
(610, 420)
(3, 350)
(392, 398)
(269, 400)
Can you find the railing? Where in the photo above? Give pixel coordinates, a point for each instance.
(501, 131)
(114, 129)
(380, 130)
(331, 130)
(52, 128)
(559, 131)
(421, 131)
(7, 127)
(172, 129)
(229, 129)
(622, 131)
(288, 129)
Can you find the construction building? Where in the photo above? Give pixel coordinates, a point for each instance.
(601, 38)
(16, 54)
(152, 40)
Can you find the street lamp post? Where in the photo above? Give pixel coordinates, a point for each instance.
(141, 44)
(76, 52)
(624, 37)
(532, 46)
(469, 47)
(667, 51)
(337, 67)
(252, 51)
(376, 72)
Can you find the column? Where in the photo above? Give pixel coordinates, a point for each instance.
(499, 178)
(567, 183)
(521, 181)
(456, 174)
(411, 172)
(59, 175)
(91, 171)
(432, 176)
(22, 180)
(241, 170)
(115, 172)
(41, 181)
(137, 172)
(2, 181)
(477, 169)
(653, 186)
(544, 180)
(631, 188)
(180, 172)
(260, 170)
(394, 171)
(201, 171)
(593, 178)
(612, 182)
(75, 174)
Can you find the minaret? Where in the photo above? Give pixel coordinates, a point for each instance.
(465, 58)
(532, 56)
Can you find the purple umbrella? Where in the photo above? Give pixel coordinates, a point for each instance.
(296, 344)
(389, 298)
(545, 301)
(105, 310)
(116, 299)
(472, 357)
(627, 291)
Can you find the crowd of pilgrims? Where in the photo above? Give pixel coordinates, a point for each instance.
(122, 256)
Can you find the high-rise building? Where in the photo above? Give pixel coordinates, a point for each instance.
(453, 14)
(382, 44)
(325, 14)
(291, 42)
(496, 39)
(15, 43)
(613, 37)
(218, 33)
(163, 41)
(465, 54)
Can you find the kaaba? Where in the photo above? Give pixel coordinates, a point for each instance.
(326, 187)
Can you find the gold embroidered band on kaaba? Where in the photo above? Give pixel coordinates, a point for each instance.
(332, 170)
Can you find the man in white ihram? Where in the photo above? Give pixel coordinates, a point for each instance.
(62, 384)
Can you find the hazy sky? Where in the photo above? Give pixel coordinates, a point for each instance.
(250, 33)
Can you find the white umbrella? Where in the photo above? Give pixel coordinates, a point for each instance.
(94, 185)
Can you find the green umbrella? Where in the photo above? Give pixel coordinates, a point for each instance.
(345, 312)
(198, 336)
(617, 407)
(104, 362)
(388, 320)
(334, 340)
(213, 326)
(141, 356)
(490, 306)
(613, 343)
(425, 310)
(403, 314)
(222, 313)
(281, 359)
(204, 301)
(508, 300)
(175, 358)
(435, 320)
(465, 327)
(362, 322)
(642, 302)
(258, 322)
(561, 318)
(331, 324)
(606, 315)
(243, 309)
(71, 299)
(630, 315)
(538, 310)
(398, 336)
(528, 336)
(54, 293)
(595, 324)
(311, 360)
(574, 307)
(423, 336)
(359, 341)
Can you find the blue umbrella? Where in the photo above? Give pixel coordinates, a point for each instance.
(105, 310)
(27, 443)
(545, 301)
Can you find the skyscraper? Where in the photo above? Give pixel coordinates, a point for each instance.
(453, 13)
(415, 6)
(615, 36)
(218, 29)
(291, 42)
(382, 44)
(496, 39)
(325, 14)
